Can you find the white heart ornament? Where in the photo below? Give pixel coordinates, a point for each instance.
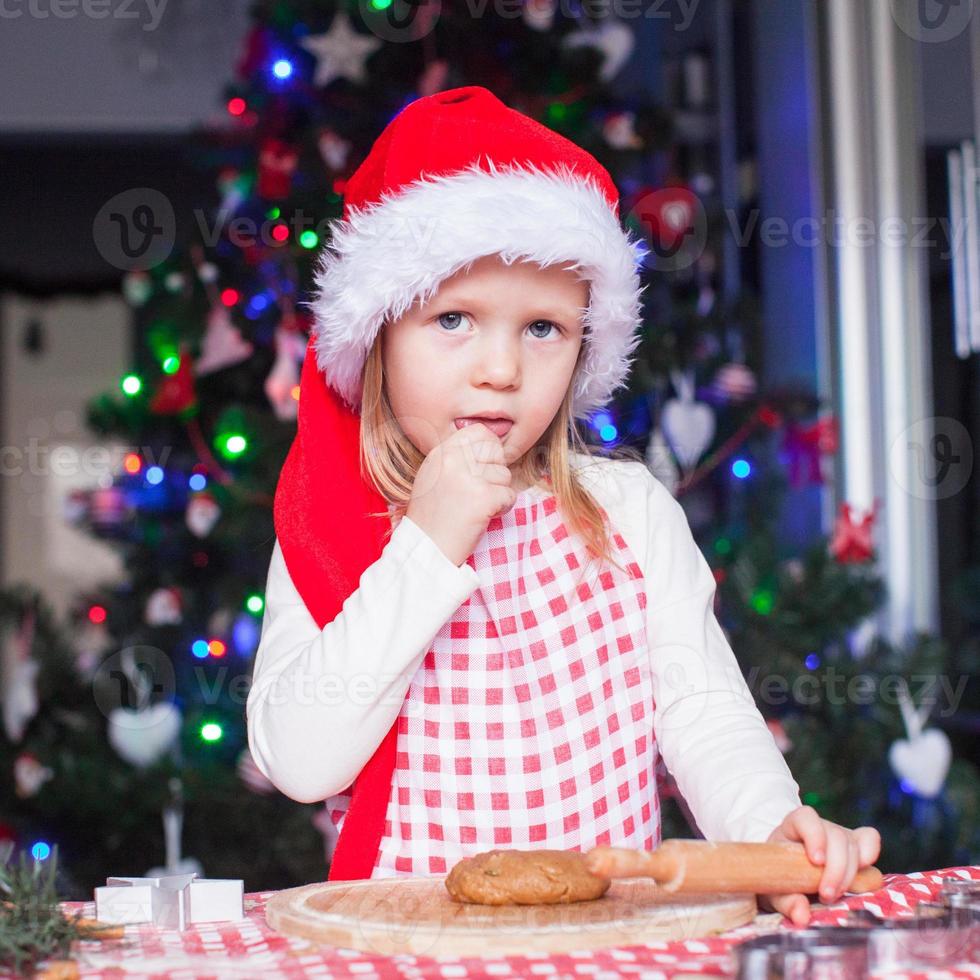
(922, 762)
(689, 427)
(142, 737)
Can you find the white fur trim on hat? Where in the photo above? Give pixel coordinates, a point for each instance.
(386, 257)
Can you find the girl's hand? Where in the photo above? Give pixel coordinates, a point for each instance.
(462, 483)
(841, 851)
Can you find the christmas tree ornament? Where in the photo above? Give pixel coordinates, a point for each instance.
(233, 188)
(783, 742)
(660, 460)
(143, 736)
(207, 272)
(734, 383)
(803, 447)
(18, 674)
(670, 215)
(255, 53)
(433, 78)
(202, 513)
(851, 540)
(252, 777)
(74, 508)
(282, 383)
(176, 394)
(174, 282)
(688, 425)
(613, 38)
(341, 52)
(173, 829)
(137, 288)
(30, 775)
(707, 297)
(219, 622)
(91, 641)
(539, 15)
(334, 150)
(277, 164)
(922, 760)
(222, 345)
(108, 509)
(164, 607)
(619, 131)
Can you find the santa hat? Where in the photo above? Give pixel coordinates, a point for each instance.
(454, 176)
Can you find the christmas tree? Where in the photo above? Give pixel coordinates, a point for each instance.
(124, 726)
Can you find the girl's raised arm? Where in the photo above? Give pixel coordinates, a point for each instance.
(322, 701)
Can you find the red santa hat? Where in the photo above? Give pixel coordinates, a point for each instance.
(453, 177)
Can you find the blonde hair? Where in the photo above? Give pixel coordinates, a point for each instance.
(390, 461)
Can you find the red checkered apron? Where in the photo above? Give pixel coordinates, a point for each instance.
(529, 723)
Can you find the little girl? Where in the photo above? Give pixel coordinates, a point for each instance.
(478, 635)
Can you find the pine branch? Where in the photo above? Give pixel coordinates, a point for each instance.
(32, 926)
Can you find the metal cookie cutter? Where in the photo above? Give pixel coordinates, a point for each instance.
(939, 934)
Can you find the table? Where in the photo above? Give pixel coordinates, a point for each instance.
(250, 949)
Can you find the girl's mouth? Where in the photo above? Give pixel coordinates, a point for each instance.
(500, 427)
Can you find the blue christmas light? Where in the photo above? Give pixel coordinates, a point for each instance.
(154, 475)
(282, 69)
(741, 468)
(41, 851)
(812, 661)
(198, 481)
(245, 635)
(200, 649)
(608, 433)
(907, 787)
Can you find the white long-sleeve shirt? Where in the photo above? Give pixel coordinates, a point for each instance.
(321, 701)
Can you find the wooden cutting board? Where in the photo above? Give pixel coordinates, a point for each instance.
(415, 915)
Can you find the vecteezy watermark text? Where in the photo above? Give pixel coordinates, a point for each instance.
(150, 12)
(39, 459)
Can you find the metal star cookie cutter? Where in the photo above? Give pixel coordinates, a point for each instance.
(938, 934)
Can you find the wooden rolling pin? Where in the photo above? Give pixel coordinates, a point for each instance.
(778, 868)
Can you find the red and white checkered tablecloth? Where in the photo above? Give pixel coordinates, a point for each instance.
(251, 949)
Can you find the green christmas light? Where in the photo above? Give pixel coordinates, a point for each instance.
(723, 546)
(762, 601)
(380, 4)
(131, 384)
(232, 444)
(557, 112)
(171, 364)
(211, 732)
(272, 213)
(255, 604)
(309, 239)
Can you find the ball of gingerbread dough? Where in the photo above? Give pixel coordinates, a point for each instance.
(506, 877)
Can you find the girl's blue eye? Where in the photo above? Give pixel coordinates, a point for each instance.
(443, 315)
(548, 323)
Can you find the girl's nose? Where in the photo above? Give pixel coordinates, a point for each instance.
(498, 362)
